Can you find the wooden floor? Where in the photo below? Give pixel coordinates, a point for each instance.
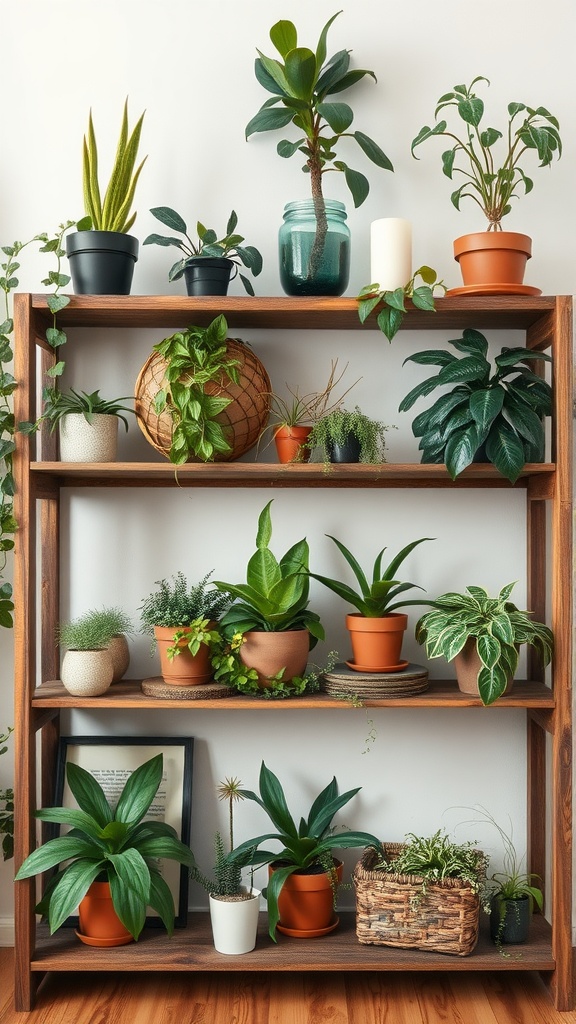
(294, 998)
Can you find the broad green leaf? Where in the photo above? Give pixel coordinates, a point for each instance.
(263, 572)
(426, 133)
(268, 120)
(472, 342)
(389, 321)
(423, 298)
(162, 901)
(489, 649)
(170, 218)
(277, 73)
(321, 48)
(333, 73)
(128, 905)
(338, 115)
(88, 794)
(274, 801)
(284, 37)
(139, 791)
(357, 183)
(505, 451)
(373, 151)
(460, 450)
(485, 405)
(264, 532)
(300, 72)
(71, 888)
(471, 110)
(470, 368)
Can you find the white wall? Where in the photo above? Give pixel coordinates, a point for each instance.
(190, 65)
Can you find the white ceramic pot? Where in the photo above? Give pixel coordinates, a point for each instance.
(87, 673)
(81, 441)
(235, 923)
(120, 654)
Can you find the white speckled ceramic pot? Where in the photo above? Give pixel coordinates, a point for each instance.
(87, 673)
(81, 441)
(120, 654)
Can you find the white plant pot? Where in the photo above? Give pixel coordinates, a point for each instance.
(87, 673)
(120, 654)
(234, 924)
(81, 441)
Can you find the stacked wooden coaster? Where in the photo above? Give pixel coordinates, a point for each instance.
(406, 682)
(156, 687)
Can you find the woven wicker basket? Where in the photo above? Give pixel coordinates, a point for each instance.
(445, 920)
(243, 420)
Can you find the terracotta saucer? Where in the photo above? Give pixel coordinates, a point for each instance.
(383, 668)
(88, 940)
(312, 933)
(495, 289)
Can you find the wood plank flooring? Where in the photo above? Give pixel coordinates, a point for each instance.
(292, 998)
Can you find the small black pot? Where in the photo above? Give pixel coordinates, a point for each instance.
(101, 262)
(208, 275)
(510, 919)
(348, 451)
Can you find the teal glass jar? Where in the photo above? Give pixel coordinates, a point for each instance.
(314, 250)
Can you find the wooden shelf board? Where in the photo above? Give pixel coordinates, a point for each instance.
(262, 474)
(283, 312)
(441, 694)
(191, 949)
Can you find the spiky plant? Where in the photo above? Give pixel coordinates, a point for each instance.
(113, 212)
(227, 879)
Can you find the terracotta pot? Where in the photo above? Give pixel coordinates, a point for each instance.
(120, 654)
(185, 669)
(306, 903)
(234, 923)
(376, 643)
(289, 441)
(268, 653)
(99, 924)
(493, 257)
(87, 673)
(468, 665)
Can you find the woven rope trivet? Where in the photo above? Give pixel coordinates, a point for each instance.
(156, 687)
(377, 685)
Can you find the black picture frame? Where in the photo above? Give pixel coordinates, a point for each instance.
(111, 759)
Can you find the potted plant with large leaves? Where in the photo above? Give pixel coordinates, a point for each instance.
(208, 262)
(270, 610)
(109, 858)
(482, 636)
(493, 261)
(377, 627)
(492, 413)
(303, 874)
(102, 259)
(314, 240)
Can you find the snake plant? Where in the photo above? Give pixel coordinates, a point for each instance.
(112, 213)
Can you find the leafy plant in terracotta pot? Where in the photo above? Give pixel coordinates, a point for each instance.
(492, 181)
(182, 617)
(377, 627)
(314, 257)
(293, 418)
(209, 261)
(270, 611)
(108, 848)
(303, 873)
(344, 435)
(493, 413)
(482, 634)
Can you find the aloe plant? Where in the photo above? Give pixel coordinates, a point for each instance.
(113, 212)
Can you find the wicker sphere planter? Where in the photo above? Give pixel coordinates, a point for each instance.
(245, 418)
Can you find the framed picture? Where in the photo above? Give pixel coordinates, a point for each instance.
(111, 760)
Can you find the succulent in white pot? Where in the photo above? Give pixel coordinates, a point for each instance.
(88, 424)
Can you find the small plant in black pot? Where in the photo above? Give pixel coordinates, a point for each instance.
(208, 262)
(349, 436)
(492, 413)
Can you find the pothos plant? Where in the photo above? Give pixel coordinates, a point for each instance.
(393, 303)
(301, 84)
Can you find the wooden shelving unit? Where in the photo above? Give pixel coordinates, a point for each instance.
(40, 697)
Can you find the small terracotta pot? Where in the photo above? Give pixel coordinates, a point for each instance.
(468, 665)
(376, 643)
(185, 669)
(268, 653)
(493, 257)
(306, 903)
(99, 924)
(289, 441)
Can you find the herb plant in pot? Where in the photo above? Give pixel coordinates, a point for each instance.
(271, 611)
(181, 618)
(109, 857)
(377, 628)
(482, 635)
(88, 424)
(314, 240)
(494, 261)
(209, 262)
(117, 623)
(349, 436)
(304, 874)
(102, 259)
(493, 413)
(87, 668)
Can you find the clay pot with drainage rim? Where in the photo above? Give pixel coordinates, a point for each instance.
(493, 258)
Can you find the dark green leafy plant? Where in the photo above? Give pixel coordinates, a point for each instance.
(393, 303)
(110, 844)
(435, 858)
(58, 404)
(497, 626)
(308, 845)
(378, 597)
(275, 595)
(489, 182)
(337, 426)
(112, 213)
(208, 245)
(7, 808)
(177, 603)
(196, 358)
(497, 409)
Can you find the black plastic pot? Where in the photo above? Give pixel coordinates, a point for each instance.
(348, 451)
(208, 275)
(101, 262)
(510, 920)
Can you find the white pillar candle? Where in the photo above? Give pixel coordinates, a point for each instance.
(390, 253)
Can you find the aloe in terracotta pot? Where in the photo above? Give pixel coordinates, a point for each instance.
(377, 627)
(489, 162)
